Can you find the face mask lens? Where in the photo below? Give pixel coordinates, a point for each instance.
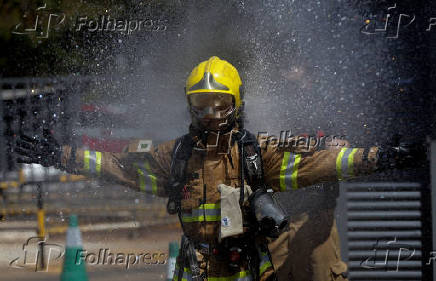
(211, 99)
(211, 105)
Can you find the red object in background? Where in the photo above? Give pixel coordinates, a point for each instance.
(99, 144)
(99, 139)
(93, 108)
(235, 256)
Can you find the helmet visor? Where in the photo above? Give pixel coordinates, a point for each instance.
(211, 105)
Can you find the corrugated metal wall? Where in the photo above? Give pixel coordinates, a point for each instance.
(381, 228)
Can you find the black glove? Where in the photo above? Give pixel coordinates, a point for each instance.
(403, 155)
(43, 150)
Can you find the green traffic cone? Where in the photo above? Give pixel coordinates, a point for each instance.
(73, 270)
(173, 253)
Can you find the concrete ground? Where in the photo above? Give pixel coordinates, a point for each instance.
(152, 273)
(112, 219)
(17, 263)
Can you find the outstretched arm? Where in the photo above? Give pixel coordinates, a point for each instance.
(289, 170)
(142, 171)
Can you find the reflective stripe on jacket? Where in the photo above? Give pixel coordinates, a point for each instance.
(283, 170)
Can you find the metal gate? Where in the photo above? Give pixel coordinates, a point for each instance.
(381, 230)
(30, 105)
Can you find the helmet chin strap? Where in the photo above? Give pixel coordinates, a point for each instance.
(226, 125)
(219, 125)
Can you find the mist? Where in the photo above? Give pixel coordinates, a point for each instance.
(305, 67)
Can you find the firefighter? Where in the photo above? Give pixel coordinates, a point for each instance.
(217, 152)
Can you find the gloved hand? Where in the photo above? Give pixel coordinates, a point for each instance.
(402, 155)
(44, 150)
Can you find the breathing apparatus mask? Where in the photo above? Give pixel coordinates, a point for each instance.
(212, 111)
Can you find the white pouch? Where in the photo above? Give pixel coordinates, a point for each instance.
(231, 214)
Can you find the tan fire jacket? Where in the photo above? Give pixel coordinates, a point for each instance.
(209, 166)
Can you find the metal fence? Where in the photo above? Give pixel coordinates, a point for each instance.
(382, 227)
(31, 105)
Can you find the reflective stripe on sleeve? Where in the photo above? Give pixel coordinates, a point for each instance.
(289, 171)
(147, 180)
(187, 276)
(205, 212)
(265, 262)
(345, 163)
(240, 276)
(92, 161)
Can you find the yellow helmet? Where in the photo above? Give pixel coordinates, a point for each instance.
(215, 76)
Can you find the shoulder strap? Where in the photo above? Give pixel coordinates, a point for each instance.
(182, 151)
(252, 159)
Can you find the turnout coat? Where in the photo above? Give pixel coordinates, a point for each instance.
(216, 161)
